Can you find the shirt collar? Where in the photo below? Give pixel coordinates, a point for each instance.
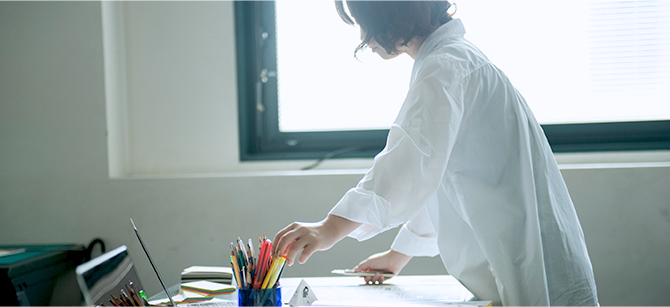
(452, 29)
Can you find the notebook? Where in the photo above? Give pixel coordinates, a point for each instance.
(114, 272)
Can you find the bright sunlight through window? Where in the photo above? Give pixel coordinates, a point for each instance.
(573, 61)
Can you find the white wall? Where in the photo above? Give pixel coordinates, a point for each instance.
(55, 184)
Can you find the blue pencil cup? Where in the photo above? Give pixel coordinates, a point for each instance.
(259, 297)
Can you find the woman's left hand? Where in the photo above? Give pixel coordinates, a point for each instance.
(388, 261)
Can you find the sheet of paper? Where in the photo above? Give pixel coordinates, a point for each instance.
(399, 291)
(386, 292)
(399, 303)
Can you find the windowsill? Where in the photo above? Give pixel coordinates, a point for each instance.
(249, 174)
(337, 167)
(599, 160)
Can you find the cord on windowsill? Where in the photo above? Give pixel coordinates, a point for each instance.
(331, 155)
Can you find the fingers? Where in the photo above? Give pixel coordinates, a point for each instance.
(380, 278)
(293, 250)
(280, 235)
(365, 266)
(362, 267)
(307, 252)
(377, 279)
(304, 238)
(284, 238)
(294, 239)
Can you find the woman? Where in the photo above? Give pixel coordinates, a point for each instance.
(466, 170)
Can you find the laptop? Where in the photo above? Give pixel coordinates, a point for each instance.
(113, 273)
(107, 275)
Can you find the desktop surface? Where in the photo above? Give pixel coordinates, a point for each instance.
(414, 290)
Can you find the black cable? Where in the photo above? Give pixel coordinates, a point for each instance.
(331, 155)
(89, 250)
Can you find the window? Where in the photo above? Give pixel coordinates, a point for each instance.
(595, 75)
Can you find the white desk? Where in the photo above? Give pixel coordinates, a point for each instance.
(427, 290)
(420, 290)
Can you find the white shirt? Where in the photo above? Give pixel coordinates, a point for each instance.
(468, 171)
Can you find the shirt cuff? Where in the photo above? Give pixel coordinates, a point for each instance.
(411, 244)
(366, 207)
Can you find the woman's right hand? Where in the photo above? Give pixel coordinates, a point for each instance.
(311, 237)
(388, 261)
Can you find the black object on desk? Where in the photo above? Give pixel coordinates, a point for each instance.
(28, 278)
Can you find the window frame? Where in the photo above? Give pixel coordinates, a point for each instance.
(260, 138)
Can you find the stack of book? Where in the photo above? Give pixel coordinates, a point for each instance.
(217, 274)
(198, 291)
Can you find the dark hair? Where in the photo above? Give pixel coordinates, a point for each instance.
(393, 22)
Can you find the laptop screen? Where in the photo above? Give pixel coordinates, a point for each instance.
(106, 276)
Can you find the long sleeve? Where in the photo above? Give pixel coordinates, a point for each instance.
(410, 168)
(417, 237)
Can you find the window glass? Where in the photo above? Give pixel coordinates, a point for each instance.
(321, 86)
(573, 61)
(579, 61)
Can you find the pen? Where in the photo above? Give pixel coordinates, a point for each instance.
(251, 255)
(275, 275)
(243, 250)
(133, 294)
(283, 261)
(267, 261)
(270, 272)
(125, 298)
(236, 268)
(261, 267)
(249, 280)
(115, 301)
(243, 273)
(144, 297)
(240, 257)
(278, 270)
